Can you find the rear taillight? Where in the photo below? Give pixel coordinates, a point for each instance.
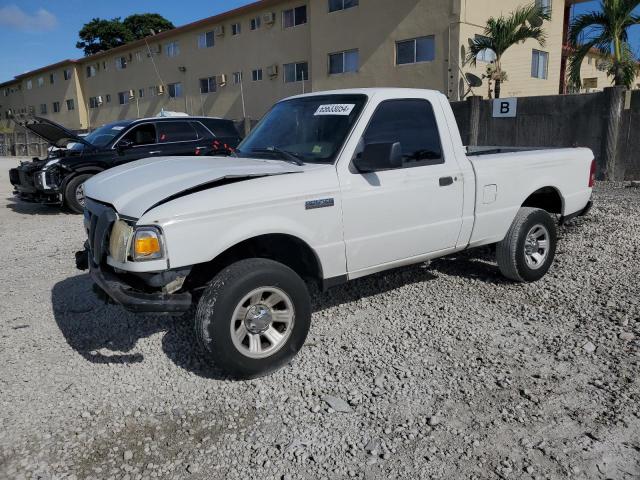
(592, 174)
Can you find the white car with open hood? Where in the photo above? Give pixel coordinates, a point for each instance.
(328, 187)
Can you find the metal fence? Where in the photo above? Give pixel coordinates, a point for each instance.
(22, 143)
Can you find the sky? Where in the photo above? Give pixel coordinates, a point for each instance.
(35, 33)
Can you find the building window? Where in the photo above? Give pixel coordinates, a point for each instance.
(108, 98)
(208, 85)
(93, 102)
(43, 109)
(91, 71)
(141, 93)
(138, 56)
(29, 84)
(235, 29)
(335, 5)
(237, 78)
(294, 16)
(121, 63)
(487, 55)
(421, 49)
(123, 98)
(173, 49)
(52, 78)
(206, 40)
(296, 72)
(539, 64)
(175, 90)
(344, 62)
(256, 75)
(67, 74)
(40, 81)
(545, 5)
(56, 107)
(255, 23)
(71, 104)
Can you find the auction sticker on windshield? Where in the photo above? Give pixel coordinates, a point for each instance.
(335, 109)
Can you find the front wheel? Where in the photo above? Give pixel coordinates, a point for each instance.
(253, 317)
(527, 251)
(74, 193)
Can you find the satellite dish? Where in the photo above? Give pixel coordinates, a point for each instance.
(536, 22)
(473, 80)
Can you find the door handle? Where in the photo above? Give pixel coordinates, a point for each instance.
(446, 181)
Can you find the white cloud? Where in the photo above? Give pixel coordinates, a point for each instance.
(14, 17)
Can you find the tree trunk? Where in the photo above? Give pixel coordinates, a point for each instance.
(497, 89)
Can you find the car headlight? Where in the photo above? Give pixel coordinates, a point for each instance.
(119, 240)
(147, 244)
(50, 163)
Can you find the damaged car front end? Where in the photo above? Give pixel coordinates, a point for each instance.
(113, 241)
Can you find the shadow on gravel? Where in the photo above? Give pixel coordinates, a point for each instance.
(474, 264)
(108, 334)
(28, 208)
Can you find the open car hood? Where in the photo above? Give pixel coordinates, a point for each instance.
(135, 188)
(52, 132)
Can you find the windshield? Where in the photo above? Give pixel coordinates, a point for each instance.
(101, 136)
(313, 129)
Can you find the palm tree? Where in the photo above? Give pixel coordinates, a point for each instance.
(502, 33)
(606, 30)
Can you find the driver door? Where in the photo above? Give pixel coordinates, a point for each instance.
(398, 214)
(142, 142)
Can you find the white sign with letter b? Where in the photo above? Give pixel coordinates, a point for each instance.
(505, 107)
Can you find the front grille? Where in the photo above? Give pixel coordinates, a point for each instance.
(99, 220)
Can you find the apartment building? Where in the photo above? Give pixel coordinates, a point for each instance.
(238, 63)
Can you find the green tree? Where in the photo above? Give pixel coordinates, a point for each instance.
(606, 30)
(503, 32)
(99, 35)
(141, 24)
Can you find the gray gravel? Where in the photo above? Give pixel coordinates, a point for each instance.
(435, 371)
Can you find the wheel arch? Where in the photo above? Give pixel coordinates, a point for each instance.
(546, 198)
(287, 249)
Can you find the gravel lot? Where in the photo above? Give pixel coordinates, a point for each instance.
(435, 371)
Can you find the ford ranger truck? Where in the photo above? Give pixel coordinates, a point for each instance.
(328, 187)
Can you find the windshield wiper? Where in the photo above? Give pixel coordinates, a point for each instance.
(284, 154)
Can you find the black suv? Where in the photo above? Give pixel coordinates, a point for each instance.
(60, 177)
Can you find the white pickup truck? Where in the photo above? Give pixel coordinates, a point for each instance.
(329, 187)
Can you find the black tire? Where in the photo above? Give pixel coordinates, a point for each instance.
(514, 261)
(224, 294)
(69, 199)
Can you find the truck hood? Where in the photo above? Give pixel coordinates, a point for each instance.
(137, 187)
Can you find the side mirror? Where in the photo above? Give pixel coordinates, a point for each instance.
(123, 145)
(379, 156)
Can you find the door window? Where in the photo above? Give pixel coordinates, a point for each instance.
(176, 132)
(141, 135)
(412, 123)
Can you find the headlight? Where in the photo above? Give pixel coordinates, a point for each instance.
(146, 244)
(50, 162)
(120, 240)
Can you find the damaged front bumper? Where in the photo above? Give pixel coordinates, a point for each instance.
(113, 287)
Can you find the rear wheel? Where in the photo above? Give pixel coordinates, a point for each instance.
(253, 317)
(74, 193)
(527, 251)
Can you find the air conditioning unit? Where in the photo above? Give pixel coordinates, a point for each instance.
(269, 18)
(221, 80)
(219, 31)
(99, 99)
(160, 89)
(272, 70)
(132, 94)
